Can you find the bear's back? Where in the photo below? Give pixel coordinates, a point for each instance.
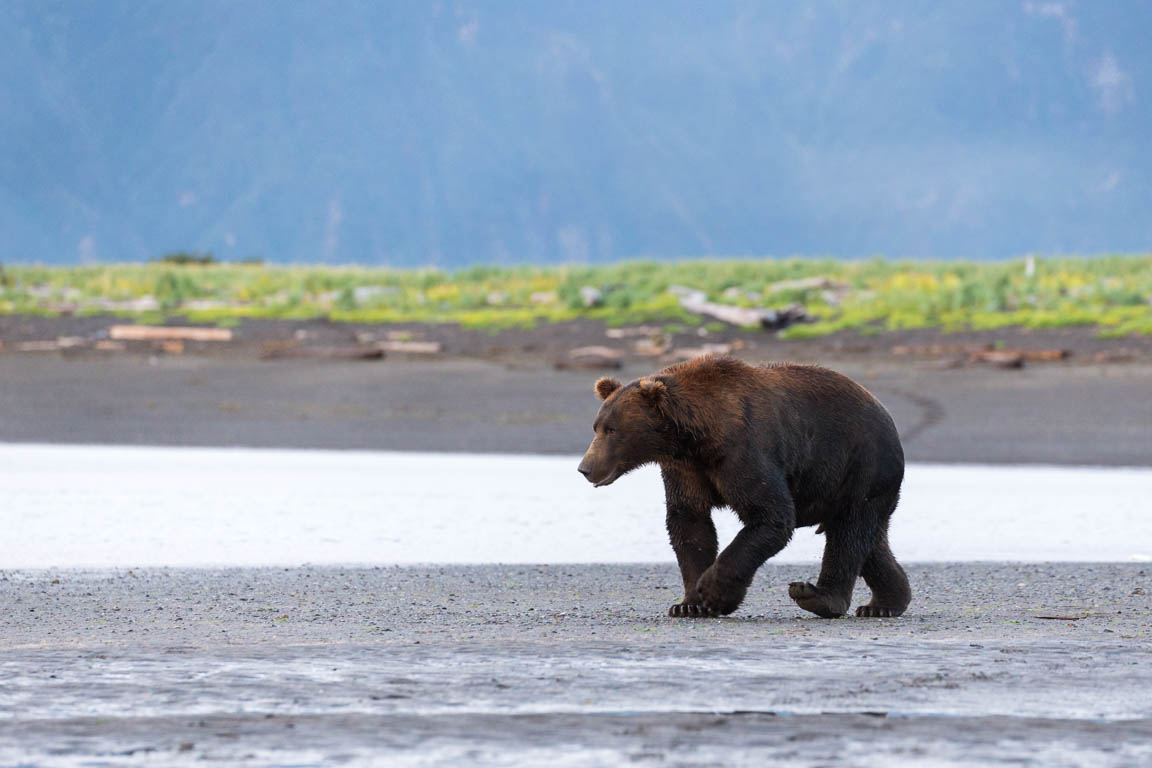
(794, 401)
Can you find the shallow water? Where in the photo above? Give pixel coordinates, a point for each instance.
(796, 678)
(134, 506)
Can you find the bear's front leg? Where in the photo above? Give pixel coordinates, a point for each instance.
(694, 541)
(692, 534)
(721, 592)
(759, 495)
(722, 587)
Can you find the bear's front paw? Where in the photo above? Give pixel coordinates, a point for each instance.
(878, 612)
(688, 610)
(718, 595)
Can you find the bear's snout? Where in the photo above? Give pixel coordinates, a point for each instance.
(588, 469)
(592, 466)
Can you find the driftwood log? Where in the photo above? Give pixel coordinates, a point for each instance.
(1003, 358)
(412, 347)
(353, 352)
(697, 303)
(167, 333)
(591, 358)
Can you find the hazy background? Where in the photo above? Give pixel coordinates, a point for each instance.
(453, 133)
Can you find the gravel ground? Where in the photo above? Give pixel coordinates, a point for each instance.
(570, 665)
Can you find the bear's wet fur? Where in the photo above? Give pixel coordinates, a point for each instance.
(784, 446)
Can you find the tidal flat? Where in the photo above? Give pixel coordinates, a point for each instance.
(1035, 664)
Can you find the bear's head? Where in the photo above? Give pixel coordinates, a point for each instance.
(632, 428)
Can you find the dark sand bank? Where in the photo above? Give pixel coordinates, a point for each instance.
(1044, 413)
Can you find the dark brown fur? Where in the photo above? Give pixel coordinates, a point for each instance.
(784, 446)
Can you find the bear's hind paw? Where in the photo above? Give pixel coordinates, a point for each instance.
(817, 601)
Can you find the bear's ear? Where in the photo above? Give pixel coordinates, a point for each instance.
(653, 389)
(606, 386)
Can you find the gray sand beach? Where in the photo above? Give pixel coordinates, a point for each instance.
(995, 664)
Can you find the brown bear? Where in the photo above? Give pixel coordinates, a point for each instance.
(783, 446)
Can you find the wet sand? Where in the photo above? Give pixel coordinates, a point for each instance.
(1046, 414)
(570, 665)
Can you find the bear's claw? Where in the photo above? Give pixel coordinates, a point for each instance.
(689, 611)
(877, 612)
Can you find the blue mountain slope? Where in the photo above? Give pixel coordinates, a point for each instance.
(464, 132)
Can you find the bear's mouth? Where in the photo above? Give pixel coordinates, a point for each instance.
(611, 477)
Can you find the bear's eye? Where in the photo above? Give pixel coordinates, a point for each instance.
(609, 430)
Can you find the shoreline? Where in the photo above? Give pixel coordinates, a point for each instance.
(138, 507)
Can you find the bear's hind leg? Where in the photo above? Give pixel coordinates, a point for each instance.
(851, 538)
(831, 596)
(888, 582)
